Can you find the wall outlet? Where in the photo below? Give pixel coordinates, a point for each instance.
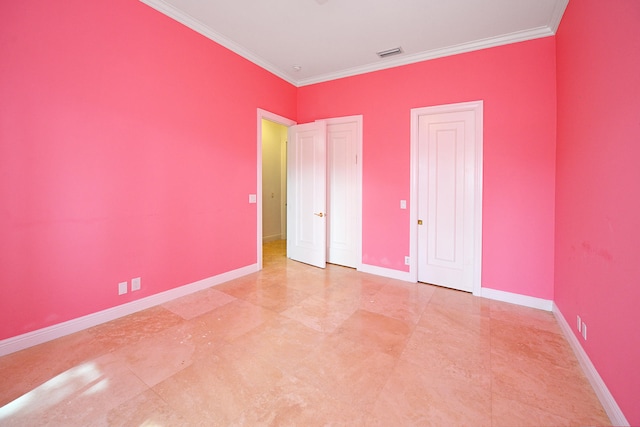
(403, 204)
(135, 284)
(584, 331)
(579, 324)
(122, 288)
(407, 260)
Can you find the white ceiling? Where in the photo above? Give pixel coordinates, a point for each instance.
(330, 39)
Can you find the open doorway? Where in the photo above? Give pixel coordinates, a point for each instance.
(341, 210)
(274, 181)
(271, 182)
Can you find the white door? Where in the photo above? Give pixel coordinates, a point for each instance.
(448, 195)
(343, 193)
(306, 194)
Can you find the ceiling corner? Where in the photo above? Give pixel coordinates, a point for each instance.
(556, 17)
(202, 29)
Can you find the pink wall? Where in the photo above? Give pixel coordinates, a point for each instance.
(127, 148)
(598, 187)
(517, 83)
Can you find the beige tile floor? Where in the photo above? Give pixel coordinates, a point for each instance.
(294, 345)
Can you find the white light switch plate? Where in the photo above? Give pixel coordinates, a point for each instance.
(252, 198)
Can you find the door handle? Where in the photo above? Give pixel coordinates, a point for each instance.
(419, 222)
(319, 214)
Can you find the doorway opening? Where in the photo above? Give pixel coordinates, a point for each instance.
(271, 179)
(285, 173)
(274, 181)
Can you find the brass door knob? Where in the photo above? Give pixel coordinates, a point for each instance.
(319, 214)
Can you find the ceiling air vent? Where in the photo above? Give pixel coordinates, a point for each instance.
(389, 52)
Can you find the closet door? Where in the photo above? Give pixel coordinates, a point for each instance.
(306, 194)
(343, 225)
(449, 188)
(324, 192)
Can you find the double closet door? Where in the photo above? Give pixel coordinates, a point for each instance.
(324, 192)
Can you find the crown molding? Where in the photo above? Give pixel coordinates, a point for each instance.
(167, 9)
(199, 27)
(516, 37)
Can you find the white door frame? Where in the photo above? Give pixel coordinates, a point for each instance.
(264, 114)
(477, 107)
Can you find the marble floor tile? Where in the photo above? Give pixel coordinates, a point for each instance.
(400, 300)
(523, 316)
(293, 402)
(158, 357)
(198, 303)
(25, 370)
(296, 345)
(554, 389)
(232, 320)
(380, 332)
(216, 390)
(449, 358)
(529, 344)
(80, 396)
(276, 298)
(353, 287)
(133, 328)
(322, 314)
(347, 370)
(145, 409)
(507, 412)
(245, 286)
(455, 324)
(282, 342)
(417, 397)
(460, 301)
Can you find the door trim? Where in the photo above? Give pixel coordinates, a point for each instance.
(477, 107)
(263, 114)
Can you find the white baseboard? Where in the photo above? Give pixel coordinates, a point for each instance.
(609, 404)
(525, 300)
(20, 342)
(386, 272)
(272, 238)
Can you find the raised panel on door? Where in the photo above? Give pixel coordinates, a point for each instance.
(306, 194)
(342, 200)
(446, 199)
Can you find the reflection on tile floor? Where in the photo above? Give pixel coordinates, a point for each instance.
(296, 345)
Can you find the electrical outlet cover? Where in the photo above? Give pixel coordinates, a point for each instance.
(135, 284)
(122, 288)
